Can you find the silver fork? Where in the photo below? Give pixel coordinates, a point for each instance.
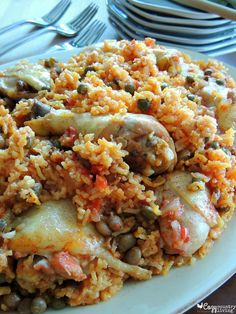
(51, 17)
(87, 36)
(69, 29)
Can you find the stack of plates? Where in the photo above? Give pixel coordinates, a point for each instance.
(173, 24)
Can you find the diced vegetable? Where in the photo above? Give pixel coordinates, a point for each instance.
(130, 88)
(144, 105)
(100, 182)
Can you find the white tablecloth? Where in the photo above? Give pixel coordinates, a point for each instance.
(13, 10)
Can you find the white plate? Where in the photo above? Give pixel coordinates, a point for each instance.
(135, 31)
(169, 7)
(171, 29)
(158, 17)
(222, 51)
(182, 287)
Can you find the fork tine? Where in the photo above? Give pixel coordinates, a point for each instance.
(98, 34)
(85, 17)
(93, 31)
(82, 19)
(87, 36)
(57, 11)
(84, 33)
(81, 14)
(61, 10)
(82, 22)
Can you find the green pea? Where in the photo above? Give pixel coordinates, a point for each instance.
(148, 213)
(191, 97)
(89, 69)
(49, 63)
(126, 242)
(133, 256)
(82, 89)
(11, 300)
(215, 145)
(24, 306)
(58, 304)
(220, 82)
(164, 85)
(115, 223)
(103, 228)
(144, 104)
(129, 88)
(208, 72)
(38, 305)
(189, 79)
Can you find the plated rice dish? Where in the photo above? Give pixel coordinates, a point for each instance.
(117, 164)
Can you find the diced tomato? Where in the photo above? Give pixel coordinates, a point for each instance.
(95, 208)
(184, 234)
(69, 137)
(171, 214)
(96, 204)
(96, 169)
(71, 132)
(67, 266)
(70, 103)
(149, 42)
(100, 182)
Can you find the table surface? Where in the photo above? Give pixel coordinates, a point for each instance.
(12, 10)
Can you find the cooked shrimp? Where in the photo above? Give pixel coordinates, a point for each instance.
(67, 266)
(151, 149)
(186, 216)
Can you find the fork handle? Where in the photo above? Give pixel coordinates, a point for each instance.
(12, 26)
(22, 40)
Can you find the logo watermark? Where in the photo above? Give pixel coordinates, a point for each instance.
(216, 308)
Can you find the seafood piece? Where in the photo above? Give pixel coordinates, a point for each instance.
(24, 80)
(151, 149)
(52, 227)
(186, 216)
